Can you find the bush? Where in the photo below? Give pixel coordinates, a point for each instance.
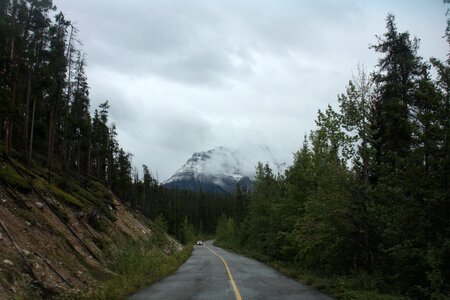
(139, 264)
(188, 234)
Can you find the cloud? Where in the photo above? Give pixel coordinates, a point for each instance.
(187, 76)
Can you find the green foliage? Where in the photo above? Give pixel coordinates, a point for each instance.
(61, 195)
(138, 264)
(188, 234)
(201, 209)
(324, 231)
(161, 223)
(226, 231)
(160, 229)
(45, 103)
(9, 176)
(363, 211)
(97, 221)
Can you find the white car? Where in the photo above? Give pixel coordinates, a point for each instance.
(199, 243)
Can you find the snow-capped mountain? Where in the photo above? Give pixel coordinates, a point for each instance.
(220, 169)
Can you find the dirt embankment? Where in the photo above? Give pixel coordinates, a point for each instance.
(50, 245)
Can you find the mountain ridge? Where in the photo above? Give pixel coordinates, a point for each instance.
(221, 169)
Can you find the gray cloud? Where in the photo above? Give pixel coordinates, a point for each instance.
(186, 76)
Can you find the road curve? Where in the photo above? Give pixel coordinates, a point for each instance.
(206, 276)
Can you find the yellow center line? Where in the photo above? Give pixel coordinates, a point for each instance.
(236, 291)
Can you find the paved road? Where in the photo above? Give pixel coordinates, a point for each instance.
(206, 276)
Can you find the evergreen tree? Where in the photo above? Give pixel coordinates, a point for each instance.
(79, 120)
(395, 82)
(355, 108)
(57, 70)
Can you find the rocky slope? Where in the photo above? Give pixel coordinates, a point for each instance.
(219, 170)
(59, 237)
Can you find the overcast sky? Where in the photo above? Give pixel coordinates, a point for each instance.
(185, 76)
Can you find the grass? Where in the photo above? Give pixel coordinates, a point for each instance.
(9, 175)
(66, 189)
(13, 179)
(353, 287)
(137, 265)
(63, 196)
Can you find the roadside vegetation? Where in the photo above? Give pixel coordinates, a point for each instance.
(137, 265)
(117, 252)
(363, 212)
(131, 264)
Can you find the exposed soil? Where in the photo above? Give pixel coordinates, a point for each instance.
(50, 247)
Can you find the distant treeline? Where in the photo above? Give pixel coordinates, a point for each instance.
(368, 194)
(181, 209)
(45, 115)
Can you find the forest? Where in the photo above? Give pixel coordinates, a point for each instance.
(45, 119)
(368, 194)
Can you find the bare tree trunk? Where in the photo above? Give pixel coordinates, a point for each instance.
(34, 100)
(50, 144)
(66, 145)
(88, 167)
(69, 61)
(68, 159)
(27, 113)
(30, 77)
(78, 157)
(9, 122)
(30, 153)
(7, 134)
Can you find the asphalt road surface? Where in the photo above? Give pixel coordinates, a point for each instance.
(212, 273)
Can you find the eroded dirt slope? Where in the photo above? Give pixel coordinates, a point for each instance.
(53, 240)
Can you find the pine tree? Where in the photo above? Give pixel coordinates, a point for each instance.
(395, 82)
(57, 70)
(100, 141)
(355, 109)
(79, 120)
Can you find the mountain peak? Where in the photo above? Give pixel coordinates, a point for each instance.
(220, 169)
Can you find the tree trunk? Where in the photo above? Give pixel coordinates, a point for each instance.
(9, 122)
(50, 144)
(78, 157)
(68, 158)
(67, 145)
(88, 167)
(27, 113)
(30, 153)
